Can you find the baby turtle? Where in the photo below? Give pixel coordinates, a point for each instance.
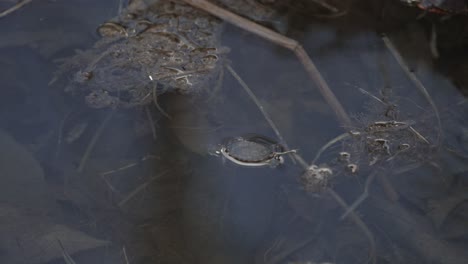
(253, 151)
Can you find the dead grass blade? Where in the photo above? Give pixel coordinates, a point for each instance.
(140, 188)
(348, 210)
(414, 79)
(94, 140)
(14, 8)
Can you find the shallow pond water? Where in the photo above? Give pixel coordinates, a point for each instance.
(137, 184)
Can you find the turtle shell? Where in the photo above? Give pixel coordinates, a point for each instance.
(246, 150)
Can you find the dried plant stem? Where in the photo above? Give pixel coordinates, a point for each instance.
(388, 188)
(361, 198)
(326, 6)
(285, 42)
(414, 79)
(60, 136)
(151, 122)
(141, 187)
(14, 8)
(119, 11)
(348, 210)
(94, 140)
(125, 255)
(218, 85)
(329, 144)
(128, 166)
(66, 257)
(258, 104)
(156, 104)
(358, 221)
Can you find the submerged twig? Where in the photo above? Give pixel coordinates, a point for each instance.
(94, 140)
(414, 79)
(388, 188)
(14, 8)
(262, 110)
(326, 6)
(128, 166)
(326, 146)
(358, 221)
(151, 122)
(259, 105)
(419, 135)
(140, 188)
(119, 11)
(361, 198)
(285, 42)
(66, 257)
(218, 85)
(355, 218)
(124, 251)
(60, 136)
(372, 96)
(156, 104)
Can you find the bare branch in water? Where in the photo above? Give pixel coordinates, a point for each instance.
(140, 188)
(361, 198)
(348, 210)
(416, 82)
(94, 140)
(14, 8)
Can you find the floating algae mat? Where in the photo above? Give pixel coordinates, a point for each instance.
(144, 52)
(150, 49)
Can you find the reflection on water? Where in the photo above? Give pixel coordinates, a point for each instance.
(106, 151)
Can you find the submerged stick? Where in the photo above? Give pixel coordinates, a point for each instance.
(285, 42)
(414, 79)
(94, 140)
(348, 210)
(361, 197)
(326, 6)
(259, 106)
(14, 8)
(358, 221)
(141, 187)
(329, 144)
(263, 111)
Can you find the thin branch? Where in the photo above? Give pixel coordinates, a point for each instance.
(326, 6)
(361, 198)
(140, 188)
(14, 8)
(263, 111)
(151, 123)
(125, 255)
(358, 221)
(94, 140)
(348, 210)
(416, 82)
(259, 105)
(155, 102)
(329, 144)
